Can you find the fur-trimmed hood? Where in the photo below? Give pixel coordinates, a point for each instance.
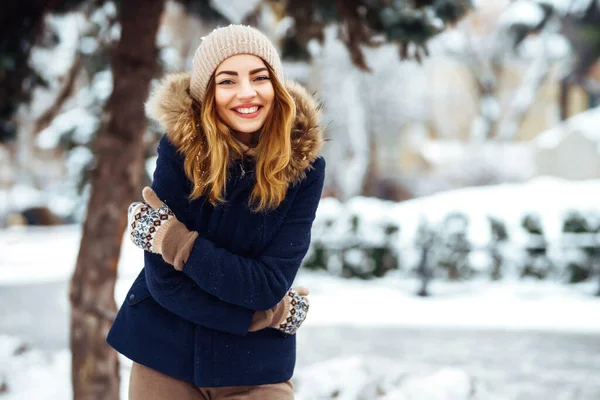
(169, 104)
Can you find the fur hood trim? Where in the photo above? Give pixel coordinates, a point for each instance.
(169, 104)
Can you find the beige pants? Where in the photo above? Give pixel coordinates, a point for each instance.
(148, 384)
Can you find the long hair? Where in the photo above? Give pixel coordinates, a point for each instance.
(206, 163)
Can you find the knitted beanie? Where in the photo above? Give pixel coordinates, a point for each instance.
(223, 43)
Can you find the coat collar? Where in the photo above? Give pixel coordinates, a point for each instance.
(170, 105)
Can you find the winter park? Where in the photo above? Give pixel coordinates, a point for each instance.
(453, 252)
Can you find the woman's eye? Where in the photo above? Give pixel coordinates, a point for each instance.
(226, 82)
(262, 78)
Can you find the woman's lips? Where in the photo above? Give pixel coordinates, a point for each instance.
(248, 116)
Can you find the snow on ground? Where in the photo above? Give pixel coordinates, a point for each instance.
(45, 255)
(345, 378)
(358, 378)
(550, 198)
(33, 255)
(32, 374)
(21, 366)
(514, 305)
(509, 304)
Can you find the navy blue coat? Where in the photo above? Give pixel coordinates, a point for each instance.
(193, 325)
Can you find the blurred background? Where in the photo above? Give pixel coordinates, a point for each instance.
(456, 250)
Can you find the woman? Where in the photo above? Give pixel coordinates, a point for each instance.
(226, 225)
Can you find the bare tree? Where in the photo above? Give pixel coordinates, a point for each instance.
(488, 54)
(115, 184)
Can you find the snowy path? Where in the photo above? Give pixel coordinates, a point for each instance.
(37, 313)
(518, 339)
(514, 364)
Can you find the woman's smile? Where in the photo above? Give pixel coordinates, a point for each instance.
(247, 110)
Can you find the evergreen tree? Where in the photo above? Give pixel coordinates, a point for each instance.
(408, 23)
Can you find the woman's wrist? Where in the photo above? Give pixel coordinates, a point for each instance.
(177, 244)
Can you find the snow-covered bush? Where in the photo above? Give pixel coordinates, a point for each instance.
(497, 248)
(537, 264)
(353, 241)
(499, 232)
(454, 247)
(580, 241)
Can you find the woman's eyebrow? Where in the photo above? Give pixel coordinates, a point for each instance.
(252, 72)
(228, 73)
(257, 70)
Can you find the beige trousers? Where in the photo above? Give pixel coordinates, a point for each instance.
(148, 384)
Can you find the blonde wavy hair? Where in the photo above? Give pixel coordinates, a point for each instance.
(206, 164)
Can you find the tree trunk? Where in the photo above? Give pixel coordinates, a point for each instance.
(563, 102)
(115, 184)
(371, 182)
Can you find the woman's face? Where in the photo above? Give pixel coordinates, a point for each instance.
(243, 93)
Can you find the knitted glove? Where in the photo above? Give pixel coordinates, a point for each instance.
(287, 316)
(154, 228)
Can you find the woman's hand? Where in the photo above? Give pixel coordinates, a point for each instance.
(154, 228)
(287, 316)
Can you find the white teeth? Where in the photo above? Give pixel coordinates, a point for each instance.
(247, 110)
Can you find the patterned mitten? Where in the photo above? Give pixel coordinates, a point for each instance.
(154, 228)
(293, 313)
(274, 317)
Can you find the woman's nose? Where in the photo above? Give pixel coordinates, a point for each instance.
(246, 91)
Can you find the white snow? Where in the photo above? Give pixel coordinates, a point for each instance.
(77, 121)
(344, 378)
(24, 196)
(360, 378)
(576, 7)
(460, 161)
(529, 13)
(34, 255)
(33, 374)
(359, 106)
(29, 373)
(523, 12)
(54, 62)
(235, 10)
(549, 197)
(585, 123)
(509, 304)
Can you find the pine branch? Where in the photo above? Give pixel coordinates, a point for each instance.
(65, 92)
(408, 23)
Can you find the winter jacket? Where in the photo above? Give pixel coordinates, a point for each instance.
(193, 325)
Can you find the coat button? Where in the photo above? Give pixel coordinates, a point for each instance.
(132, 297)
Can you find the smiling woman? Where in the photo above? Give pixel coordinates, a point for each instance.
(225, 227)
(244, 95)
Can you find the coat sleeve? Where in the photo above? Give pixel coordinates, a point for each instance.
(260, 283)
(170, 288)
(180, 295)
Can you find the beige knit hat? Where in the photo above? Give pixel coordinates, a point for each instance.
(223, 43)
